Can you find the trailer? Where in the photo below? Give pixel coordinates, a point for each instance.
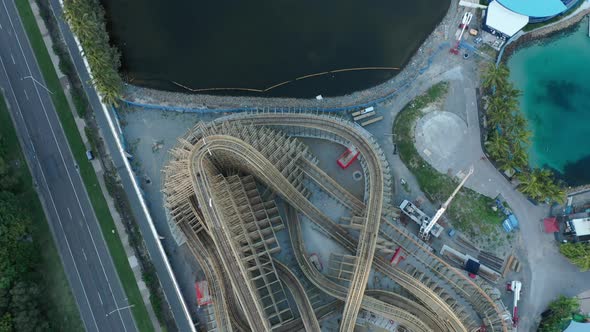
(363, 111)
(363, 116)
(203, 295)
(348, 157)
(371, 121)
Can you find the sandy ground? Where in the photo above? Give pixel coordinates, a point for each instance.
(327, 153)
(150, 134)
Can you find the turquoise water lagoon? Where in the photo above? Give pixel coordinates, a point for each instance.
(554, 76)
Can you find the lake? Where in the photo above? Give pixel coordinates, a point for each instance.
(555, 78)
(259, 44)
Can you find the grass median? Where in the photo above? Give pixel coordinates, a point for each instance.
(89, 177)
(470, 212)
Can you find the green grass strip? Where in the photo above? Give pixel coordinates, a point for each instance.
(470, 212)
(86, 171)
(58, 300)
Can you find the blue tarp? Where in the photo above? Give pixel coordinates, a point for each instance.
(510, 223)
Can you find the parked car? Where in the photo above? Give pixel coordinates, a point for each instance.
(89, 154)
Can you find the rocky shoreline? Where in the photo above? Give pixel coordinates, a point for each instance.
(417, 64)
(548, 31)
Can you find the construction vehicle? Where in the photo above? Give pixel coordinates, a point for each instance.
(419, 217)
(515, 287)
(464, 24)
(428, 225)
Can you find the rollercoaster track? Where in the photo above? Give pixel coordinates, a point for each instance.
(367, 242)
(368, 235)
(310, 321)
(229, 256)
(254, 162)
(268, 174)
(427, 316)
(321, 313)
(236, 316)
(319, 176)
(413, 316)
(219, 297)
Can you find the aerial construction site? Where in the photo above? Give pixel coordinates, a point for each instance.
(242, 186)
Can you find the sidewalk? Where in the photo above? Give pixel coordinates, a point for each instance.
(96, 164)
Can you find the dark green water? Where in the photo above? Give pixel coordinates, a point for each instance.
(257, 44)
(555, 78)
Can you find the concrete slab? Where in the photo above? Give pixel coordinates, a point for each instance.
(439, 137)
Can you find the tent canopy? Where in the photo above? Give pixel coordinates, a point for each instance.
(551, 225)
(578, 327)
(501, 19)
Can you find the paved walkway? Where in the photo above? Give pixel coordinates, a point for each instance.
(546, 273)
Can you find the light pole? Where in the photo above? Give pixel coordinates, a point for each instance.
(122, 308)
(37, 82)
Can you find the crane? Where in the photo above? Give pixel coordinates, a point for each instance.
(515, 286)
(427, 226)
(464, 23)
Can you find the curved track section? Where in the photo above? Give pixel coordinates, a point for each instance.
(413, 316)
(310, 322)
(253, 160)
(200, 154)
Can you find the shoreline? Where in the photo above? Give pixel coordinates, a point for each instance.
(417, 64)
(543, 34)
(548, 31)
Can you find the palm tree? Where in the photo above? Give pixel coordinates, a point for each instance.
(531, 183)
(497, 111)
(509, 91)
(539, 185)
(495, 76)
(519, 156)
(87, 19)
(497, 145)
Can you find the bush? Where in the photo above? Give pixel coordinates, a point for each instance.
(559, 314)
(577, 253)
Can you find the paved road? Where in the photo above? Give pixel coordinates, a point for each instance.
(546, 272)
(175, 300)
(87, 262)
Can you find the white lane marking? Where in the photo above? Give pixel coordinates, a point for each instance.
(100, 299)
(12, 57)
(84, 254)
(69, 212)
(26, 94)
(62, 156)
(51, 198)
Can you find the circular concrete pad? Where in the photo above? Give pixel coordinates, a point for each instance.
(439, 136)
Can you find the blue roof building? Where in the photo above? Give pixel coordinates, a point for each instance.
(535, 8)
(509, 16)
